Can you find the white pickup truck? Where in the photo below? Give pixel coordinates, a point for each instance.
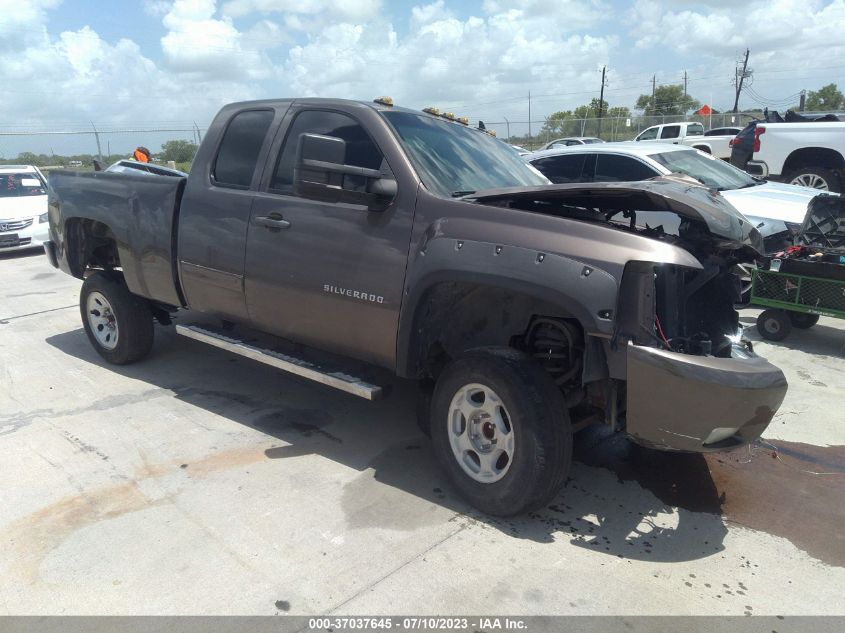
(689, 133)
(807, 154)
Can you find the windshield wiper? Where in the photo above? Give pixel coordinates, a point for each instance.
(460, 194)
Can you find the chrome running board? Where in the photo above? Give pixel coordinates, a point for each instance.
(299, 367)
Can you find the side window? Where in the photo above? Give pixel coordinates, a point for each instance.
(695, 129)
(671, 131)
(238, 153)
(561, 169)
(361, 151)
(614, 168)
(648, 135)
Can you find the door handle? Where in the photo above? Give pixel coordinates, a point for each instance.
(273, 221)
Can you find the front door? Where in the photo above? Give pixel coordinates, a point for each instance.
(324, 274)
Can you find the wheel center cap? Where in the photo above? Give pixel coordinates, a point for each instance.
(483, 432)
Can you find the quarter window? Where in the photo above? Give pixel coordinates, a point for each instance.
(562, 169)
(361, 151)
(671, 131)
(238, 153)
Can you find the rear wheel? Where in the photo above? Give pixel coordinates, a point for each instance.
(774, 325)
(500, 429)
(815, 178)
(118, 323)
(802, 320)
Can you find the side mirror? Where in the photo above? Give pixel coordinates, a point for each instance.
(321, 174)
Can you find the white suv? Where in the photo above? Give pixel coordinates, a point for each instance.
(23, 207)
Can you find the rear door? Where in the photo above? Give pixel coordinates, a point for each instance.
(325, 274)
(215, 211)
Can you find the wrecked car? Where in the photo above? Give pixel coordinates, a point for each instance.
(373, 235)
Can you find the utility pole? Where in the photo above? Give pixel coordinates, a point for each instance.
(601, 98)
(97, 136)
(739, 78)
(801, 103)
(653, 94)
(529, 116)
(508, 123)
(685, 85)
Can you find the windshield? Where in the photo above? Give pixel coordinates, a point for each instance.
(709, 171)
(19, 184)
(452, 159)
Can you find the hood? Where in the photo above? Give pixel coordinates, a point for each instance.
(772, 201)
(18, 207)
(676, 195)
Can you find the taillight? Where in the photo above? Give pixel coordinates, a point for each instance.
(758, 131)
(733, 141)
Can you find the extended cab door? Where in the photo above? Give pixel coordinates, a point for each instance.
(326, 274)
(216, 207)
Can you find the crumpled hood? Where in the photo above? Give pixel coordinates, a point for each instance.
(666, 193)
(772, 200)
(18, 207)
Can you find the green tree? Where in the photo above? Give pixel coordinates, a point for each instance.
(179, 151)
(828, 97)
(668, 100)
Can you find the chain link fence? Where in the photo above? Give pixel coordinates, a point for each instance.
(79, 147)
(606, 128)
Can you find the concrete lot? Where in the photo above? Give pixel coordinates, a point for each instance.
(200, 482)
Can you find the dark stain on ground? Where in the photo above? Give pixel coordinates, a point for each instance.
(307, 422)
(282, 605)
(42, 276)
(786, 489)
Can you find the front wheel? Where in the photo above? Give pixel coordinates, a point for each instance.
(500, 429)
(118, 323)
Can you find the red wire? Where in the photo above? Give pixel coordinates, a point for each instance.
(660, 330)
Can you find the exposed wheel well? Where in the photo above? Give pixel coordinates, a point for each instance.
(453, 317)
(90, 244)
(702, 148)
(814, 157)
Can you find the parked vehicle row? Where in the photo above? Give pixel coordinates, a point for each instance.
(407, 240)
(692, 134)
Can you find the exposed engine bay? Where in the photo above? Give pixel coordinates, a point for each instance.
(677, 308)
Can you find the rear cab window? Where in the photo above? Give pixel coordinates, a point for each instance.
(237, 156)
(695, 129)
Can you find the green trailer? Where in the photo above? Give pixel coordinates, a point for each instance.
(794, 301)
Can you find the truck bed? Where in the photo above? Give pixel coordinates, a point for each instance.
(141, 211)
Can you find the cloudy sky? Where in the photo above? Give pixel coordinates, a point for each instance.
(67, 63)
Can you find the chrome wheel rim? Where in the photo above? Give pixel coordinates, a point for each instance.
(813, 181)
(102, 320)
(480, 433)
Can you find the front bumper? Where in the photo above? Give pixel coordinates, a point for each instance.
(16, 235)
(680, 402)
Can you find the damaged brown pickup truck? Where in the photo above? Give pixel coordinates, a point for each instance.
(413, 242)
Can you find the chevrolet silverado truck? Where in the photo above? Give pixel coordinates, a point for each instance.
(689, 133)
(374, 234)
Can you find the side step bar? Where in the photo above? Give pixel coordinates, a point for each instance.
(302, 368)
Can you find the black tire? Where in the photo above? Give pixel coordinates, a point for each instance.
(802, 320)
(131, 314)
(538, 419)
(805, 176)
(774, 325)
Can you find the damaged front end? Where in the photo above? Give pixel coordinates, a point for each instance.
(691, 383)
